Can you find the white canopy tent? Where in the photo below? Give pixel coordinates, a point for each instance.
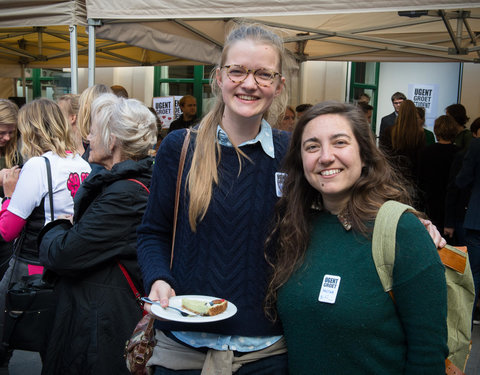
(53, 34)
(430, 30)
(192, 31)
(33, 18)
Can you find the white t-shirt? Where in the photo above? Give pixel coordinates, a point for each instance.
(32, 185)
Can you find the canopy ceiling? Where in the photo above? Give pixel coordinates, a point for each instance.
(322, 30)
(36, 34)
(162, 32)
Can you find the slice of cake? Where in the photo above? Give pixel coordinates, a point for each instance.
(214, 307)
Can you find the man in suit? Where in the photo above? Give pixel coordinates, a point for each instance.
(389, 120)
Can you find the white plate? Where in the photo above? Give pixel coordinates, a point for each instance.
(174, 315)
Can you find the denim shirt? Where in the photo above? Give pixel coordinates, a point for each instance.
(225, 342)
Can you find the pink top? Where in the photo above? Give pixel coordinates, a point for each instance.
(10, 224)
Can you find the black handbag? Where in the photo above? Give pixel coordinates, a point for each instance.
(29, 314)
(30, 303)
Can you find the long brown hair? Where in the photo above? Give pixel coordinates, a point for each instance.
(288, 241)
(407, 134)
(9, 115)
(206, 157)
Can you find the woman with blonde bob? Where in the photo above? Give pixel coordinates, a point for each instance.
(26, 205)
(228, 191)
(336, 182)
(96, 309)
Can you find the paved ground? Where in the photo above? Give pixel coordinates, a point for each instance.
(28, 363)
(473, 364)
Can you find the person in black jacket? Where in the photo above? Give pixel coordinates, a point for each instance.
(97, 310)
(389, 120)
(434, 165)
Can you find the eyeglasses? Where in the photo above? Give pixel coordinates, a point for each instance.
(239, 73)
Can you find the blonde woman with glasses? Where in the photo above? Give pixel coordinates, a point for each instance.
(228, 191)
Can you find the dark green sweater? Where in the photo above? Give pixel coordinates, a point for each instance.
(364, 332)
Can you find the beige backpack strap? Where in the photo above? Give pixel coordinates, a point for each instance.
(383, 240)
(181, 163)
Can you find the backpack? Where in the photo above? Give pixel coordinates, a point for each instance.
(458, 275)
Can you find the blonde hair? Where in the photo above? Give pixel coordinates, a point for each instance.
(129, 121)
(206, 157)
(73, 101)
(85, 103)
(9, 115)
(44, 128)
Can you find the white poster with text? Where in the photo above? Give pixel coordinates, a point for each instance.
(167, 109)
(426, 96)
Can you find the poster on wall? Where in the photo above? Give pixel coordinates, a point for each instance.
(426, 96)
(167, 109)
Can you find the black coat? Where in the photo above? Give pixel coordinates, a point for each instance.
(434, 170)
(96, 311)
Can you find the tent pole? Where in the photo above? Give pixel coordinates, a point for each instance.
(24, 83)
(91, 51)
(73, 59)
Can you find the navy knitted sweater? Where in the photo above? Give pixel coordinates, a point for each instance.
(225, 256)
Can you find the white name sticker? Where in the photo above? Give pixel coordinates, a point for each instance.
(279, 180)
(329, 290)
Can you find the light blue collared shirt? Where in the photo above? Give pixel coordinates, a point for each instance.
(225, 342)
(265, 137)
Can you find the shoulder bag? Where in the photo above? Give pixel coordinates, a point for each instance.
(30, 303)
(139, 348)
(458, 276)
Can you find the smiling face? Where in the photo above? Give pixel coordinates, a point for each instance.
(331, 159)
(247, 100)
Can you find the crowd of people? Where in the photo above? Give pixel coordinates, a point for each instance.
(272, 197)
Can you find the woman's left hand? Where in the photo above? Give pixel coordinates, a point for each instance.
(10, 178)
(434, 233)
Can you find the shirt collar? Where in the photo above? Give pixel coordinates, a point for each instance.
(265, 137)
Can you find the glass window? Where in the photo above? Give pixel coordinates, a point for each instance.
(173, 88)
(207, 69)
(359, 91)
(207, 99)
(178, 72)
(365, 73)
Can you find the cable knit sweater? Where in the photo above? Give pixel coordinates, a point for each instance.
(225, 256)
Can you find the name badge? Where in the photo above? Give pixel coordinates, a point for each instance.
(279, 180)
(329, 290)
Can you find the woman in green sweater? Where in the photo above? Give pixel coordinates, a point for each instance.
(325, 289)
